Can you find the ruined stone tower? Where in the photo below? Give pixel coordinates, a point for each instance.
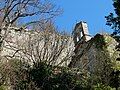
(81, 33)
(90, 54)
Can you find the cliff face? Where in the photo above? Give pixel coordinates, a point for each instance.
(88, 53)
(31, 46)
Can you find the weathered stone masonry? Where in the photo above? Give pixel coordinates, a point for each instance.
(91, 52)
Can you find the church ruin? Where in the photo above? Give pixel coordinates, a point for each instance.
(92, 52)
(77, 51)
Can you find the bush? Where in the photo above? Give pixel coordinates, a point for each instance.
(21, 76)
(13, 73)
(47, 77)
(2, 87)
(40, 73)
(101, 87)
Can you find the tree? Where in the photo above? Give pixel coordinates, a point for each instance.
(30, 11)
(14, 10)
(45, 45)
(114, 20)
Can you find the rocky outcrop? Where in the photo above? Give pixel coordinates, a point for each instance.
(31, 46)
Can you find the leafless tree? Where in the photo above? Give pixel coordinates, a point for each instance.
(26, 11)
(44, 44)
(41, 45)
(13, 10)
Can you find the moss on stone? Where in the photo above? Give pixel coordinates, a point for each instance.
(102, 41)
(99, 41)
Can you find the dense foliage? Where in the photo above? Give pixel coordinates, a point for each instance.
(114, 20)
(40, 76)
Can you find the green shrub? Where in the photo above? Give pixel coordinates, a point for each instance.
(40, 73)
(40, 76)
(2, 87)
(101, 87)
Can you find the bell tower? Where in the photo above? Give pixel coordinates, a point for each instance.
(81, 33)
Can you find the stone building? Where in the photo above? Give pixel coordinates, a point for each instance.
(80, 51)
(81, 33)
(91, 53)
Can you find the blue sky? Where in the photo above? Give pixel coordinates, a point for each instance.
(91, 11)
